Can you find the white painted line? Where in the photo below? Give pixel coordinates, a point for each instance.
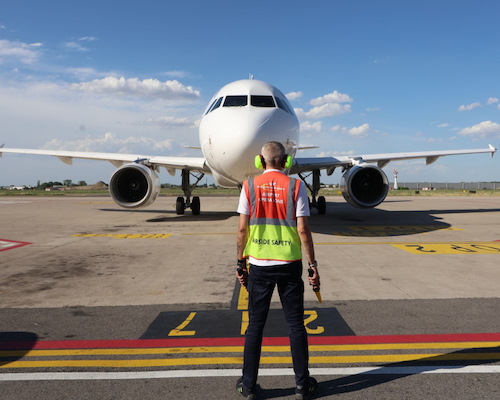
(207, 373)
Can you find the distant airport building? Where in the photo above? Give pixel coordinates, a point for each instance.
(448, 185)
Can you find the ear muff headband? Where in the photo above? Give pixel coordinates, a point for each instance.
(261, 164)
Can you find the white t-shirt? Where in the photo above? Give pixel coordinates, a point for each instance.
(302, 210)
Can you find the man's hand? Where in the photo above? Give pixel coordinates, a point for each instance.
(314, 278)
(242, 272)
(242, 276)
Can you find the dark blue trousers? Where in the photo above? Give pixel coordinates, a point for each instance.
(261, 283)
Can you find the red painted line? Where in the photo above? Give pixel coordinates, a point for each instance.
(239, 341)
(19, 244)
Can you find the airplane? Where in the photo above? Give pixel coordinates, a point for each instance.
(239, 119)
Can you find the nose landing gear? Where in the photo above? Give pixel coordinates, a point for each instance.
(182, 203)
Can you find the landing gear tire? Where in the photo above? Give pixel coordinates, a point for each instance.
(321, 205)
(180, 206)
(195, 205)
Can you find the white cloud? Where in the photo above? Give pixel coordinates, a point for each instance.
(336, 154)
(294, 95)
(357, 131)
(443, 125)
(307, 126)
(134, 87)
(360, 131)
(334, 97)
(77, 44)
(176, 74)
(483, 130)
(468, 107)
(19, 52)
(492, 100)
(109, 142)
(167, 122)
(326, 110)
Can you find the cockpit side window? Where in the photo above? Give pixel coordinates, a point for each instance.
(211, 106)
(236, 101)
(216, 104)
(262, 101)
(282, 104)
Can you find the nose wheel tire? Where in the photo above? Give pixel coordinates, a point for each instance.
(195, 205)
(180, 206)
(321, 205)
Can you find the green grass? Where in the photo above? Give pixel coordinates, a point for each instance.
(201, 191)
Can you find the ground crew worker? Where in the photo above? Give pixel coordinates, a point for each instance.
(272, 231)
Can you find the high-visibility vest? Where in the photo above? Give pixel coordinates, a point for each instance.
(272, 232)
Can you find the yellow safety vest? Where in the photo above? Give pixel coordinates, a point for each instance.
(273, 225)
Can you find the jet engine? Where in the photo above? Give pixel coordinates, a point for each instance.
(364, 186)
(134, 185)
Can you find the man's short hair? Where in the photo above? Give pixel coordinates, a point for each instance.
(273, 153)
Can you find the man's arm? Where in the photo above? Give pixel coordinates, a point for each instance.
(241, 241)
(242, 235)
(306, 238)
(307, 244)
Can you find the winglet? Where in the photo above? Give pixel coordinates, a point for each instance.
(493, 150)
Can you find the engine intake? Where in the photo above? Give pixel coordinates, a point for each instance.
(364, 186)
(134, 185)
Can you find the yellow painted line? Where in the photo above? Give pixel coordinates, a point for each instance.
(264, 360)
(400, 228)
(97, 202)
(243, 299)
(209, 233)
(451, 248)
(239, 349)
(402, 243)
(126, 235)
(179, 330)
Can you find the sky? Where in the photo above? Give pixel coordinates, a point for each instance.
(364, 77)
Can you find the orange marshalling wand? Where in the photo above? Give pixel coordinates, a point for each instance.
(315, 288)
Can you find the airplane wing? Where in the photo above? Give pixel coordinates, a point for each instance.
(169, 163)
(330, 163)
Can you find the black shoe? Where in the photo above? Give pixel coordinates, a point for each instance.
(243, 391)
(306, 392)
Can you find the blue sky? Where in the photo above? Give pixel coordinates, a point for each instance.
(364, 77)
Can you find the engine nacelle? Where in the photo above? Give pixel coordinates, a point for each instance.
(134, 185)
(364, 186)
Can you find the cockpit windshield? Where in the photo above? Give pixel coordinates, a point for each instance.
(235, 101)
(262, 101)
(255, 101)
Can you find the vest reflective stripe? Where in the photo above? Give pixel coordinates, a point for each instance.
(273, 224)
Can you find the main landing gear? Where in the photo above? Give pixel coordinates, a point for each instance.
(320, 202)
(182, 203)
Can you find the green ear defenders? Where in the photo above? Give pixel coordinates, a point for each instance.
(260, 163)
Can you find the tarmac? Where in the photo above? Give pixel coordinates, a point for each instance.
(87, 251)
(410, 301)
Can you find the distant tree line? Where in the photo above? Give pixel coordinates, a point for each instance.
(66, 182)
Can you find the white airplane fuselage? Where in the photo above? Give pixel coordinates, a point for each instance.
(240, 119)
